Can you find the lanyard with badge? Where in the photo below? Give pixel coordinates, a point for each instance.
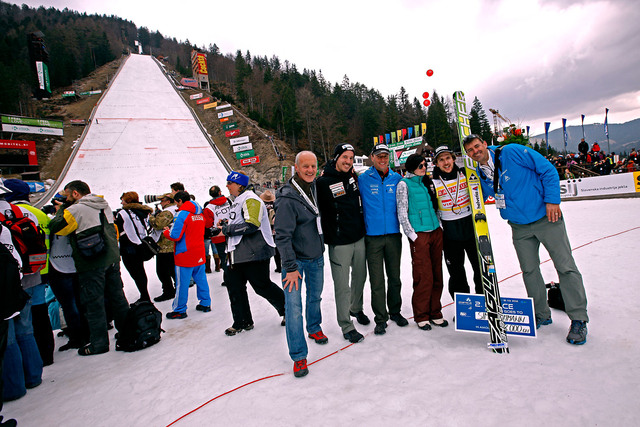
(454, 201)
(501, 203)
(311, 203)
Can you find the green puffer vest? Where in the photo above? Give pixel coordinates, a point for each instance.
(421, 214)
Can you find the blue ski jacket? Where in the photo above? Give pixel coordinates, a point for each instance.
(379, 202)
(527, 180)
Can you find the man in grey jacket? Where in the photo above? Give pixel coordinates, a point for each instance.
(299, 240)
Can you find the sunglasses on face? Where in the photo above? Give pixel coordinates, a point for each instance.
(422, 165)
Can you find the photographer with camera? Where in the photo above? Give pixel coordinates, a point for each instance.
(132, 225)
(215, 210)
(165, 264)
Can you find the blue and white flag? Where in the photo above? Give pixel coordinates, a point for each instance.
(546, 133)
(606, 125)
(564, 130)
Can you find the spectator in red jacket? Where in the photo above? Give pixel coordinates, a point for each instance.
(189, 255)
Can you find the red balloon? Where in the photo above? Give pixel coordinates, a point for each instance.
(426, 102)
(425, 95)
(429, 73)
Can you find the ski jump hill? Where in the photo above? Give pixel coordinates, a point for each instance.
(142, 137)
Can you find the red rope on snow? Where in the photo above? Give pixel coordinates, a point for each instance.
(347, 346)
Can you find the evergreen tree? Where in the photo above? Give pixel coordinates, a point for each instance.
(438, 131)
(478, 121)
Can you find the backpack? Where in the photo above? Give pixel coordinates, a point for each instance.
(148, 246)
(554, 296)
(28, 238)
(12, 296)
(141, 327)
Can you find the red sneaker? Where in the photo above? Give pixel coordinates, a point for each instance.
(300, 368)
(319, 337)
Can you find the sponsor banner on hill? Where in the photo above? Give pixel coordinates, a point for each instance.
(90, 92)
(210, 105)
(242, 147)
(222, 107)
(78, 122)
(241, 140)
(250, 161)
(30, 146)
(229, 126)
(14, 120)
(189, 82)
(596, 186)
(36, 187)
(225, 114)
(202, 63)
(195, 96)
(203, 100)
(68, 93)
(407, 143)
(31, 129)
(224, 119)
(231, 133)
(245, 154)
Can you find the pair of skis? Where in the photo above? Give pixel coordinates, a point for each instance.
(485, 253)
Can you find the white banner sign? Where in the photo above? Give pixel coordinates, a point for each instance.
(242, 139)
(31, 129)
(623, 183)
(196, 96)
(243, 147)
(225, 114)
(222, 107)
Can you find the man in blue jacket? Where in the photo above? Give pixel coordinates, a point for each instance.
(526, 187)
(383, 240)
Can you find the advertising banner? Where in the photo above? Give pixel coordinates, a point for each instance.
(241, 140)
(203, 100)
(622, 183)
(202, 63)
(43, 76)
(224, 119)
(210, 105)
(32, 122)
(245, 154)
(517, 314)
(30, 146)
(225, 114)
(222, 107)
(78, 122)
(231, 133)
(189, 82)
(36, 187)
(250, 161)
(90, 92)
(31, 129)
(407, 143)
(68, 93)
(242, 147)
(229, 126)
(195, 96)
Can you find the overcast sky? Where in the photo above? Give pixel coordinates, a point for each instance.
(533, 60)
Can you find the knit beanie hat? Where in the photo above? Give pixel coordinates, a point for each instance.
(19, 190)
(341, 148)
(239, 178)
(413, 161)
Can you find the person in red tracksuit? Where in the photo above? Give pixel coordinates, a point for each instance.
(187, 231)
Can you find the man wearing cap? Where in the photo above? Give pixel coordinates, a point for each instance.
(250, 247)
(343, 224)
(454, 210)
(165, 263)
(383, 240)
(526, 187)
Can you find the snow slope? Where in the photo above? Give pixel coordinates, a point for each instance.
(143, 138)
(406, 377)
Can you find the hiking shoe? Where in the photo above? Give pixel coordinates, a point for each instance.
(176, 315)
(203, 308)
(399, 319)
(319, 337)
(440, 322)
(232, 331)
(425, 326)
(71, 344)
(353, 336)
(300, 368)
(543, 322)
(361, 317)
(380, 329)
(578, 332)
(89, 350)
(248, 327)
(164, 297)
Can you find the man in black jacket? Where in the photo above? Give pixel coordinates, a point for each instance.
(344, 230)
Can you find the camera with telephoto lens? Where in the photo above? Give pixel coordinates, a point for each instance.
(58, 198)
(152, 198)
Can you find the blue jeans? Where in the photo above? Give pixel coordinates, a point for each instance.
(183, 277)
(22, 366)
(312, 271)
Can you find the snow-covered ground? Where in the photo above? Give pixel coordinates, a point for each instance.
(406, 377)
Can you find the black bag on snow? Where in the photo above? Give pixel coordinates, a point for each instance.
(141, 327)
(554, 296)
